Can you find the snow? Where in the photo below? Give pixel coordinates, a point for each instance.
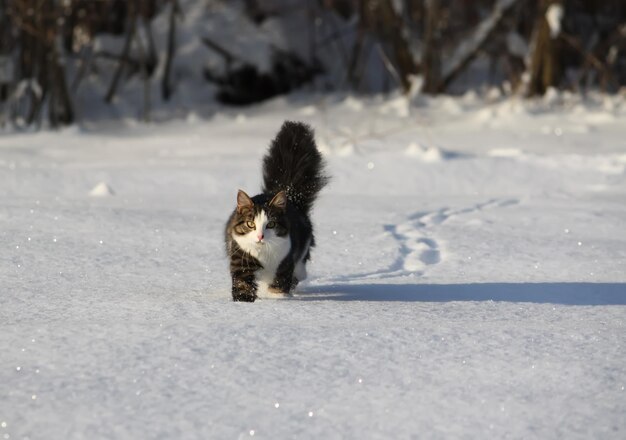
(101, 190)
(426, 154)
(468, 279)
(554, 15)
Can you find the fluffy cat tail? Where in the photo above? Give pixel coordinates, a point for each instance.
(293, 164)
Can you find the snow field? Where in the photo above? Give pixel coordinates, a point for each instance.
(468, 280)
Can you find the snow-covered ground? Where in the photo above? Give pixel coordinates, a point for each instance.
(469, 279)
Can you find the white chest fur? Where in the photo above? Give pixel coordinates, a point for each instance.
(270, 259)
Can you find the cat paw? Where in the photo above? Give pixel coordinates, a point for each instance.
(277, 292)
(243, 297)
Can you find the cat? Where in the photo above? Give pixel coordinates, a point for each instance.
(269, 236)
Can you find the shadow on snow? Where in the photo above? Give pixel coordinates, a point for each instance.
(588, 294)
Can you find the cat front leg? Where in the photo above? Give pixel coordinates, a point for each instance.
(242, 270)
(244, 288)
(283, 281)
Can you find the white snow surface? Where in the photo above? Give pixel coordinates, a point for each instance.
(468, 281)
(101, 190)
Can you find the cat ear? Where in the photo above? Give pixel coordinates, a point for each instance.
(243, 200)
(279, 201)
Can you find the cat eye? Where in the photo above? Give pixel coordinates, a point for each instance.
(270, 225)
(251, 225)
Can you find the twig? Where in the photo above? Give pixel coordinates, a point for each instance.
(166, 88)
(125, 51)
(469, 49)
(132, 63)
(145, 76)
(589, 57)
(228, 56)
(354, 59)
(85, 62)
(388, 64)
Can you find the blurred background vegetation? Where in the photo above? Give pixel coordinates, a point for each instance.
(60, 58)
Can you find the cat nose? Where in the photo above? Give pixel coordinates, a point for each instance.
(260, 237)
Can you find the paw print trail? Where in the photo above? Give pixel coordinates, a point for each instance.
(418, 247)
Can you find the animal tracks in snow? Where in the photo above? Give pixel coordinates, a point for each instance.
(431, 218)
(418, 247)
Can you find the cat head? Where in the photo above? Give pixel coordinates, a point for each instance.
(259, 222)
